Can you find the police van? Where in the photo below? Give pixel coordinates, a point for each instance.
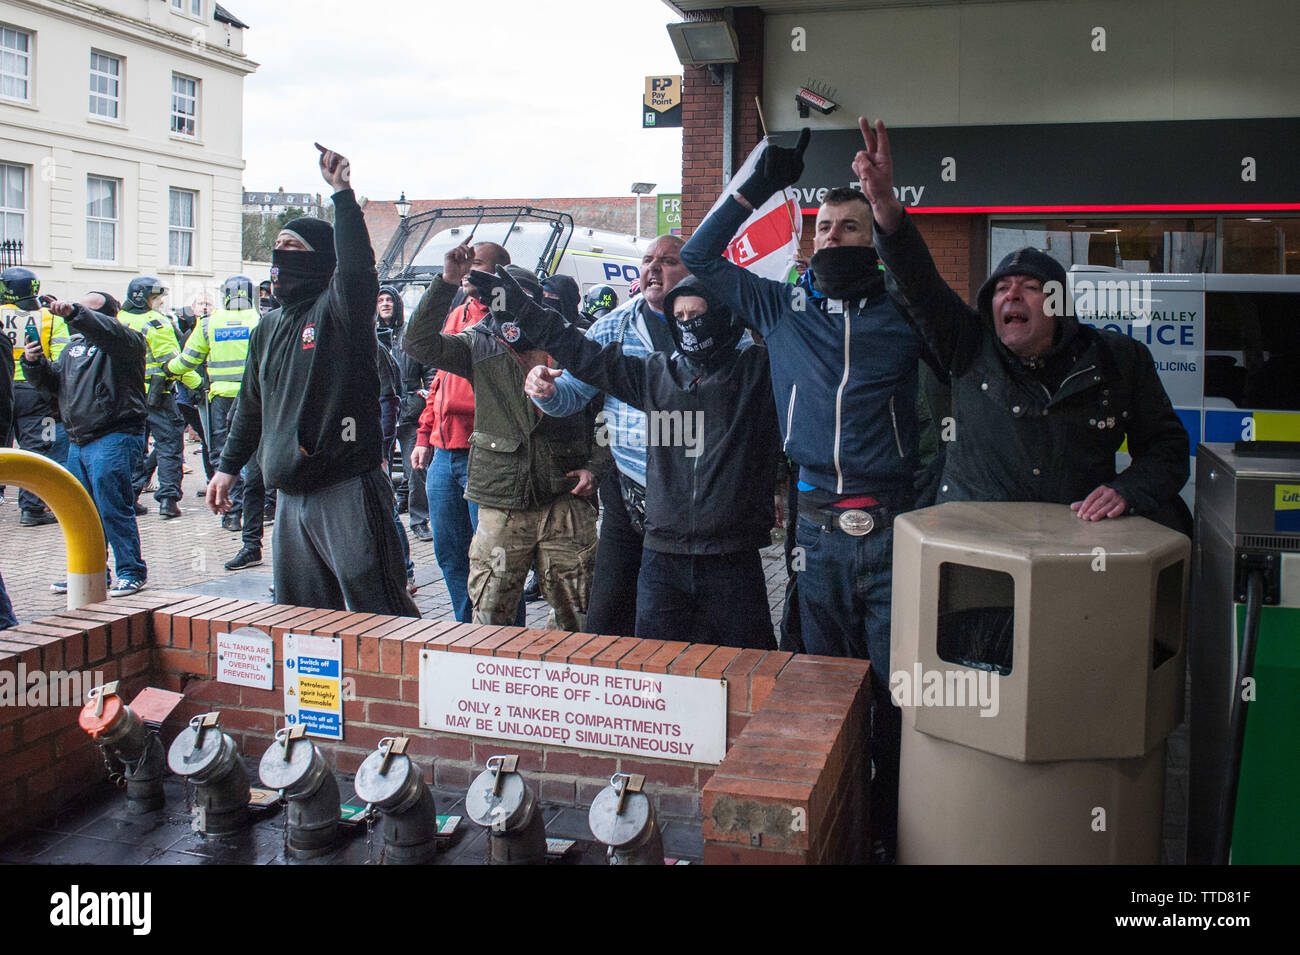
(545, 242)
(1226, 347)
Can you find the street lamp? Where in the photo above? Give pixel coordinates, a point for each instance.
(640, 189)
(403, 206)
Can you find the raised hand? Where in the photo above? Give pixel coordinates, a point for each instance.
(777, 168)
(501, 293)
(335, 169)
(874, 167)
(456, 263)
(62, 309)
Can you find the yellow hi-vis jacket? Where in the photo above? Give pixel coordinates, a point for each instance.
(52, 329)
(220, 340)
(160, 336)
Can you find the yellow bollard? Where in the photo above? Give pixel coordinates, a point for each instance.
(83, 534)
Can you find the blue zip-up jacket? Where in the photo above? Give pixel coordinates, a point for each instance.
(844, 372)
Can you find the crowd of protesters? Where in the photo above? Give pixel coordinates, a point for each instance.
(711, 407)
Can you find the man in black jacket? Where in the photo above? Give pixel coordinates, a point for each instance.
(99, 383)
(711, 461)
(310, 395)
(1041, 402)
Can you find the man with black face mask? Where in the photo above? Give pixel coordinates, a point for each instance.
(310, 394)
(844, 371)
(711, 461)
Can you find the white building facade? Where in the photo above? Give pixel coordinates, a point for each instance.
(121, 142)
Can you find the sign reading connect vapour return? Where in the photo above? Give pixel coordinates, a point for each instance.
(313, 676)
(614, 711)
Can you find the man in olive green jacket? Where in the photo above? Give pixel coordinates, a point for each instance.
(531, 475)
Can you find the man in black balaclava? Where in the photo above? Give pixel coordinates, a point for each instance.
(310, 395)
(711, 461)
(266, 301)
(563, 295)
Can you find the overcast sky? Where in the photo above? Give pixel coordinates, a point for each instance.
(494, 98)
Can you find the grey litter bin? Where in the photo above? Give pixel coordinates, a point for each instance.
(1039, 662)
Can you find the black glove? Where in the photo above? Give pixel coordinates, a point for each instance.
(777, 168)
(520, 321)
(501, 293)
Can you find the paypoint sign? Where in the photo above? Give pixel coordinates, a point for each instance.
(662, 103)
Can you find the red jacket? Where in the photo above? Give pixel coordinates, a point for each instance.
(448, 417)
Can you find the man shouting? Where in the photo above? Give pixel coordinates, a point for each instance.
(310, 395)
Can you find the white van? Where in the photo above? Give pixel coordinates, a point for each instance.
(537, 240)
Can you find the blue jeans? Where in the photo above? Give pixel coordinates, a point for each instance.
(104, 467)
(845, 585)
(452, 519)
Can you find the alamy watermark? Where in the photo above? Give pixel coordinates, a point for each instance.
(951, 687)
(662, 429)
(47, 688)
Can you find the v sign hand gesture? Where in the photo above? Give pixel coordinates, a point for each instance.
(874, 167)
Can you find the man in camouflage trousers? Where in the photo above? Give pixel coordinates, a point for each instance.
(530, 474)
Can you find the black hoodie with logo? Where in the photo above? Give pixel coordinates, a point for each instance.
(310, 392)
(713, 442)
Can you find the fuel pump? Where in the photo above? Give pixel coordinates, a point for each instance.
(389, 781)
(623, 818)
(500, 800)
(210, 760)
(1244, 778)
(120, 733)
(295, 766)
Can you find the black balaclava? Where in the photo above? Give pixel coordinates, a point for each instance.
(302, 276)
(503, 325)
(398, 317)
(846, 271)
(567, 296)
(709, 339)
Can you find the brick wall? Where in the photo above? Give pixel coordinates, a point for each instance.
(792, 787)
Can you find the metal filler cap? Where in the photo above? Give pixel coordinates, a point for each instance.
(288, 760)
(198, 747)
(498, 798)
(621, 814)
(385, 778)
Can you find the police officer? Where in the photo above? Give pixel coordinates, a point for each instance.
(144, 296)
(35, 412)
(220, 341)
(599, 301)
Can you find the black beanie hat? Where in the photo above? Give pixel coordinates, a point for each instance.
(1028, 261)
(316, 234)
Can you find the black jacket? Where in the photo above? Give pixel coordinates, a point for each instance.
(98, 379)
(713, 442)
(310, 392)
(6, 397)
(1049, 434)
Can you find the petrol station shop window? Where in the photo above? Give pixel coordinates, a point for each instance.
(1265, 245)
(1134, 245)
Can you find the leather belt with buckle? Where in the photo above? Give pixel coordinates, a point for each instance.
(853, 521)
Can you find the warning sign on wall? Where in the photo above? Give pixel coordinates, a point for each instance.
(313, 671)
